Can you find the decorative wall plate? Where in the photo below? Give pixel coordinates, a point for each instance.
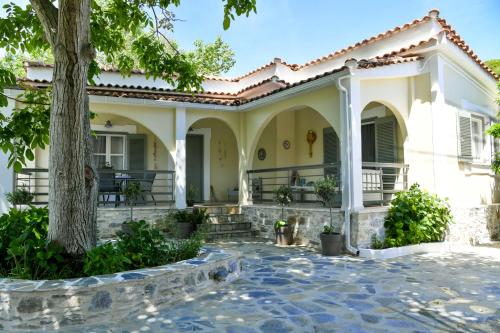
(286, 144)
(261, 154)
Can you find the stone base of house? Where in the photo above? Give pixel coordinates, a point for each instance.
(476, 225)
(110, 219)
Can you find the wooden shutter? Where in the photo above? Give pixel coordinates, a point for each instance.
(464, 137)
(137, 152)
(330, 146)
(385, 149)
(385, 139)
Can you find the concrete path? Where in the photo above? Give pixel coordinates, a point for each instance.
(297, 290)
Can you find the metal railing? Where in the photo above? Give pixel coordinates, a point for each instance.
(380, 181)
(157, 186)
(264, 182)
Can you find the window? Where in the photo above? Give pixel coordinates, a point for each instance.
(477, 138)
(109, 149)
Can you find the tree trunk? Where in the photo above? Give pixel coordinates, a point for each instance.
(72, 181)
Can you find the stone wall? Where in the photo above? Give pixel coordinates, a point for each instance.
(307, 223)
(472, 225)
(109, 220)
(74, 303)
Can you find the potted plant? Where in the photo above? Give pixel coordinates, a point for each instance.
(191, 195)
(131, 191)
(185, 223)
(282, 231)
(331, 243)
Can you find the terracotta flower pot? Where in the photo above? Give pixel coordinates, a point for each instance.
(283, 235)
(331, 244)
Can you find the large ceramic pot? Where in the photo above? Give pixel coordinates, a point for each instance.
(283, 235)
(185, 229)
(331, 244)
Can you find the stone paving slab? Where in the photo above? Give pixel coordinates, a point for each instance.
(297, 290)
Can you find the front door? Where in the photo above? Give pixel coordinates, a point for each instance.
(194, 167)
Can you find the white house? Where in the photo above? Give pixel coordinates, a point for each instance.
(408, 105)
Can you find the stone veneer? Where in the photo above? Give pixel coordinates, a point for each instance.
(110, 219)
(472, 225)
(56, 304)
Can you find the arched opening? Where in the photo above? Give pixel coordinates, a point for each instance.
(211, 162)
(382, 150)
(296, 148)
(125, 151)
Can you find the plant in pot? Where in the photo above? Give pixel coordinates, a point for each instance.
(191, 195)
(185, 223)
(282, 231)
(131, 191)
(326, 190)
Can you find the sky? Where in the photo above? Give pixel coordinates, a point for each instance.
(301, 30)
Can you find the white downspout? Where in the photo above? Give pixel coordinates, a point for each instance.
(348, 206)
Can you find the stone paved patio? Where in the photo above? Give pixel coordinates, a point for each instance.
(296, 290)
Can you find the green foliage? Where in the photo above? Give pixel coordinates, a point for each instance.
(105, 259)
(326, 189)
(415, 216)
(24, 252)
(191, 193)
(27, 128)
(280, 223)
(196, 216)
(168, 225)
(20, 196)
(139, 27)
(494, 130)
(377, 244)
(283, 196)
(328, 229)
(494, 64)
(495, 164)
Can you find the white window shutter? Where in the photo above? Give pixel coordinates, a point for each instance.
(464, 137)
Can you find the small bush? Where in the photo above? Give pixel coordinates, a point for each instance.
(168, 225)
(20, 196)
(105, 259)
(415, 216)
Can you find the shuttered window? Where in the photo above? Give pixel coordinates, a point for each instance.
(136, 152)
(385, 139)
(464, 137)
(477, 138)
(331, 153)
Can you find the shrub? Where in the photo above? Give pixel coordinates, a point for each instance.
(326, 189)
(416, 216)
(20, 196)
(24, 252)
(168, 225)
(104, 259)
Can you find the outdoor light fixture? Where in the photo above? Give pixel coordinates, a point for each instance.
(108, 124)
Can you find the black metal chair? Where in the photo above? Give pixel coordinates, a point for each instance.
(147, 186)
(108, 187)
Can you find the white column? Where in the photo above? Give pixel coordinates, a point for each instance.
(438, 107)
(6, 175)
(242, 165)
(180, 158)
(355, 131)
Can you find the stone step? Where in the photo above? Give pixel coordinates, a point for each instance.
(223, 227)
(226, 235)
(226, 218)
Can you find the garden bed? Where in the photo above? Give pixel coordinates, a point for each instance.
(395, 252)
(55, 304)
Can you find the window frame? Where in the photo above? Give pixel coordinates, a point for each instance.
(477, 156)
(107, 155)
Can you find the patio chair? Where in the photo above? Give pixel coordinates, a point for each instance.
(108, 187)
(147, 185)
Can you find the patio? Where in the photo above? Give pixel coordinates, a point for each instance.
(296, 290)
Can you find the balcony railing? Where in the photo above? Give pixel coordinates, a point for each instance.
(157, 186)
(380, 181)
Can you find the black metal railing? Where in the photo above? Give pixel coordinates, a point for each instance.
(156, 186)
(264, 182)
(380, 181)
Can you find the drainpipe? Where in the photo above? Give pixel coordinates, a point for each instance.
(348, 206)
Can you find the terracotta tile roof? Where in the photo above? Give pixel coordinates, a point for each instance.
(161, 94)
(452, 36)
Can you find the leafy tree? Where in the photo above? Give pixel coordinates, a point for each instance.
(74, 31)
(494, 130)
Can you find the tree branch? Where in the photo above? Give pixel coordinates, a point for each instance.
(21, 101)
(47, 14)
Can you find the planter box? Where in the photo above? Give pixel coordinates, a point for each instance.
(395, 252)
